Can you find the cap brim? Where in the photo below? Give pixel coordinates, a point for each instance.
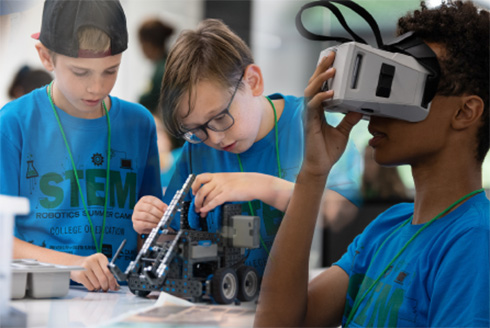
(36, 35)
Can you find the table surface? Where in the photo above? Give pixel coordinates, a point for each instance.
(80, 308)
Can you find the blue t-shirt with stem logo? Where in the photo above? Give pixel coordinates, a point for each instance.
(35, 163)
(440, 280)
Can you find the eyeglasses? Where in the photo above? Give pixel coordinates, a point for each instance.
(219, 123)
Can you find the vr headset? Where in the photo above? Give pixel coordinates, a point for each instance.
(396, 80)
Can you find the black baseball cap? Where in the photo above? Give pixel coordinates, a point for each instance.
(63, 18)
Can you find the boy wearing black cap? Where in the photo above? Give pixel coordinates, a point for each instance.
(82, 157)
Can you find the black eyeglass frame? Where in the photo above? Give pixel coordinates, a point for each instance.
(187, 135)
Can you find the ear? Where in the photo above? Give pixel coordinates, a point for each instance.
(45, 56)
(253, 77)
(469, 113)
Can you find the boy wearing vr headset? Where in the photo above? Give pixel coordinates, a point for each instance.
(82, 157)
(243, 146)
(424, 264)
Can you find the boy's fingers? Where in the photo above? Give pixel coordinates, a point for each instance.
(111, 280)
(101, 277)
(316, 101)
(322, 73)
(212, 204)
(315, 86)
(149, 211)
(150, 204)
(348, 122)
(323, 65)
(144, 224)
(94, 282)
(144, 227)
(213, 199)
(148, 200)
(156, 207)
(113, 285)
(199, 181)
(202, 195)
(146, 218)
(82, 278)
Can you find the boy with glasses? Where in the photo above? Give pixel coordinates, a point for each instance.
(218, 123)
(243, 146)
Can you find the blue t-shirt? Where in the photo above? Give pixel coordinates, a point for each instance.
(440, 280)
(261, 157)
(166, 175)
(35, 164)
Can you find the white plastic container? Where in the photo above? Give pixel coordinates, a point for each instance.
(18, 284)
(9, 208)
(40, 280)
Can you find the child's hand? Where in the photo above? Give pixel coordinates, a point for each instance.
(324, 144)
(148, 211)
(214, 189)
(96, 275)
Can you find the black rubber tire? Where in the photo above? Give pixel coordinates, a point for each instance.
(224, 286)
(248, 280)
(140, 293)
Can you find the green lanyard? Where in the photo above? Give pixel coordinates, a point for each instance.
(359, 300)
(276, 134)
(98, 246)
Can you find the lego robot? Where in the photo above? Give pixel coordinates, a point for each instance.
(196, 265)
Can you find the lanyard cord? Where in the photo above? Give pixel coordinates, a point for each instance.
(359, 300)
(98, 246)
(276, 134)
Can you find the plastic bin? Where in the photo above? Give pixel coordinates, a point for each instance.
(9, 208)
(18, 285)
(40, 280)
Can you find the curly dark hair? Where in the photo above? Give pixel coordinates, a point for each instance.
(463, 29)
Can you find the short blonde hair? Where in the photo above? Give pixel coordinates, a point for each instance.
(93, 39)
(90, 39)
